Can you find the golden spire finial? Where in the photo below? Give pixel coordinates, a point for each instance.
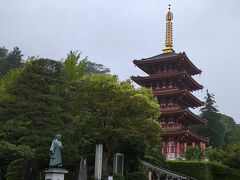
(169, 39)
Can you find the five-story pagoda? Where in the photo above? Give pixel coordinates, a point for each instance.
(170, 77)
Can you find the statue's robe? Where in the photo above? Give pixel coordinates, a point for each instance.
(55, 149)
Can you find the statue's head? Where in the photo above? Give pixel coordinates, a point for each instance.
(58, 136)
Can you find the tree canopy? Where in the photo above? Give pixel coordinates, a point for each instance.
(45, 97)
(9, 60)
(116, 115)
(214, 128)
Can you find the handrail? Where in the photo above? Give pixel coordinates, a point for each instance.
(168, 172)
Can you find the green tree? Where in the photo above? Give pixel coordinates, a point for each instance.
(194, 153)
(31, 110)
(11, 153)
(9, 60)
(74, 67)
(116, 115)
(3, 52)
(232, 156)
(231, 130)
(94, 68)
(214, 129)
(39, 100)
(215, 154)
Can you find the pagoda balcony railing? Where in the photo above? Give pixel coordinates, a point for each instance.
(165, 125)
(172, 107)
(161, 89)
(167, 71)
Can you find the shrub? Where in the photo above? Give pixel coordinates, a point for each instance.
(215, 155)
(118, 177)
(194, 153)
(138, 175)
(204, 170)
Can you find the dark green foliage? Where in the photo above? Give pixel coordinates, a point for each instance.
(35, 104)
(232, 156)
(194, 153)
(215, 155)
(116, 115)
(44, 97)
(231, 130)
(214, 129)
(94, 68)
(118, 177)
(12, 157)
(31, 109)
(154, 157)
(138, 175)
(22, 169)
(204, 170)
(9, 60)
(75, 67)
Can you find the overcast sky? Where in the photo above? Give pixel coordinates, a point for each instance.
(114, 32)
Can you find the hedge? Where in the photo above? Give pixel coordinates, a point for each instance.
(204, 170)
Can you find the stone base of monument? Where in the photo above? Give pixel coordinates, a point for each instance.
(55, 173)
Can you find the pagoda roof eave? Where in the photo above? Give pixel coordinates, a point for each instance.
(186, 132)
(165, 58)
(189, 115)
(140, 79)
(184, 93)
(162, 56)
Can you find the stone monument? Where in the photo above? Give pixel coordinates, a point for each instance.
(55, 170)
(98, 162)
(82, 171)
(118, 163)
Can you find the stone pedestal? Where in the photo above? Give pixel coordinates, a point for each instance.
(55, 174)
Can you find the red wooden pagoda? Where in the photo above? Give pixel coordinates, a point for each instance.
(170, 77)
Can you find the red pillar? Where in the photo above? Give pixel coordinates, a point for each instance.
(204, 146)
(178, 150)
(170, 148)
(185, 147)
(193, 144)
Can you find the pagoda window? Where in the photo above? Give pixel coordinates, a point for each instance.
(151, 84)
(173, 67)
(163, 104)
(154, 85)
(170, 67)
(174, 84)
(153, 69)
(157, 86)
(174, 105)
(170, 103)
(164, 68)
(159, 69)
(160, 85)
(164, 85)
(170, 84)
